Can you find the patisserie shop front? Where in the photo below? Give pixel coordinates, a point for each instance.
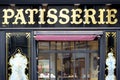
(59, 41)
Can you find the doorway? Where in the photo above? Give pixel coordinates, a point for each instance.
(68, 60)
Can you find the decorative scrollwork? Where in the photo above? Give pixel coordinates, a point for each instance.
(110, 62)
(18, 63)
(111, 55)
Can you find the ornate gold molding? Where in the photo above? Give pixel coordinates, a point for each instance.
(110, 55)
(8, 55)
(108, 34)
(18, 62)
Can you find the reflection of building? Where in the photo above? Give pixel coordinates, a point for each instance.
(60, 39)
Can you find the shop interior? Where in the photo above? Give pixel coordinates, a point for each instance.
(68, 60)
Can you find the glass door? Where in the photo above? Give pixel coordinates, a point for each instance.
(70, 60)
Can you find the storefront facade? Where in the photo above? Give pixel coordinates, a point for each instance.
(59, 40)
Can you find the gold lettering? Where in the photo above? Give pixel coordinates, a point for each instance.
(75, 16)
(31, 15)
(87, 16)
(53, 17)
(101, 16)
(8, 13)
(19, 16)
(111, 18)
(41, 16)
(64, 16)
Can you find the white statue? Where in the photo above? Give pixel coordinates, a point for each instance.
(110, 62)
(18, 64)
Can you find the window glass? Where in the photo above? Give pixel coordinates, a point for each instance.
(17, 55)
(68, 60)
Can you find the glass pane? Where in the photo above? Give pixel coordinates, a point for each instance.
(52, 66)
(80, 70)
(43, 67)
(43, 45)
(69, 61)
(94, 66)
(46, 66)
(93, 60)
(18, 55)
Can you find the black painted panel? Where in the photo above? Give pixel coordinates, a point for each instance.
(118, 55)
(33, 59)
(58, 8)
(102, 50)
(58, 1)
(2, 56)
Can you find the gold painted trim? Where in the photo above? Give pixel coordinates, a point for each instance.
(114, 35)
(18, 34)
(7, 37)
(18, 51)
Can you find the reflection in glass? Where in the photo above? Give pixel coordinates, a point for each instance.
(46, 67)
(68, 60)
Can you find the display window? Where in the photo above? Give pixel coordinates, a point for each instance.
(68, 60)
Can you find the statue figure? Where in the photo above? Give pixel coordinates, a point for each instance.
(110, 62)
(18, 64)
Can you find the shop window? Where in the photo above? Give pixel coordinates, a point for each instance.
(68, 60)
